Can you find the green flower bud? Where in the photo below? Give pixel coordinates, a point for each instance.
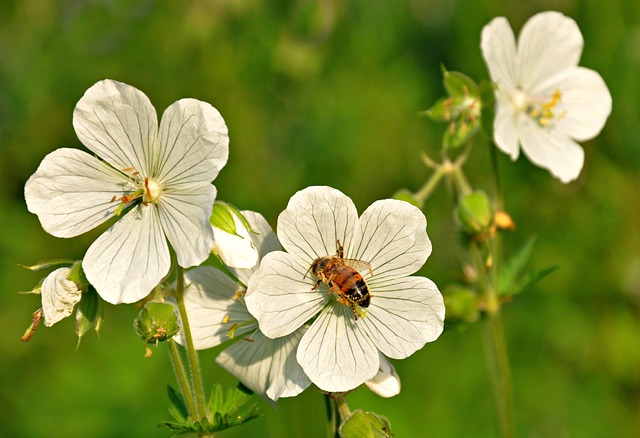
(461, 305)
(475, 213)
(156, 322)
(366, 424)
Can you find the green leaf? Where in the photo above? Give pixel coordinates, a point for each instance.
(364, 424)
(226, 410)
(516, 276)
(178, 408)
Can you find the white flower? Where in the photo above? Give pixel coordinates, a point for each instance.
(216, 309)
(158, 180)
(59, 296)
(545, 102)
(339, 352)
(386, 382)
(235, 250)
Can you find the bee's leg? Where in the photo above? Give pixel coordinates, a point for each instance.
(340, 253)
(317, 284)
(355, 309)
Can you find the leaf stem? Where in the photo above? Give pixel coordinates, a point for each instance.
(192, 355)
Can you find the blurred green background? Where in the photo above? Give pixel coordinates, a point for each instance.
(328, 92)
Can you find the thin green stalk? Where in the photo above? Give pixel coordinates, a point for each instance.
(498, 361)
(342, 406)
(425, 191)
(494, 343)
(332, 417)
(181, 377)
(192, 355)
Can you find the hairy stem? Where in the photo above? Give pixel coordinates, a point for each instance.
(181, 377)
(192, 354)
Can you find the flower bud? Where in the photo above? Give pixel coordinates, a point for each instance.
(232, 241)
(156, 322)
(461, 305)
(474, 213)
(386, 383)
(59, 296)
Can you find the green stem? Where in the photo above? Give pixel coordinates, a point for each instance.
(333, 423)
(461, 181)
(181, 377)
(425, 191)
(498, 360)
(494, 341)
(192, 355)
(342, 406)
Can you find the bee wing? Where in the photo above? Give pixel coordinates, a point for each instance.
(359, 265)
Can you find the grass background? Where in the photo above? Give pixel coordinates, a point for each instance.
(328, 92)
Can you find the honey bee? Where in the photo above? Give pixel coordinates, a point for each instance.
(343, 279)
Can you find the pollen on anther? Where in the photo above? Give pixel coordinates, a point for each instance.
(226, 319)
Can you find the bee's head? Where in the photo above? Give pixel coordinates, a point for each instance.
(320, 265)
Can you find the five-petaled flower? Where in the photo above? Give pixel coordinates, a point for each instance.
(339, 352)
(217, 312)
(157, 180)
(545, 102)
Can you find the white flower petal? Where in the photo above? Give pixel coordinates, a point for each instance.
(59, 296)
(130, 258)
(551, 150)
(505, 130)
(336, 353)
(118, 123)
(264, 240)
(393, 239)
(208, 299)
(586, 101)
(72, 192)
(404, 314)
(548, 44)
(267, 366)
(281, 295)
(498, 46)
(193, 144)
(184, 216)
(314, 220)
(386, 383)
(235, 250)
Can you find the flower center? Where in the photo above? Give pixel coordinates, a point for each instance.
(148, 191)
(152, 190)
(545, 113)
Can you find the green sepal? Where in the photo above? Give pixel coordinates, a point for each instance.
(459, 132)
(89, 313)
(362, 424)
(156, 322)
(407, 196)
(441, 110)
(53, 263)
(77, 276)
(474, 213)
(516, 276)
(461, 304)
(222, 218)
(459, 85)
